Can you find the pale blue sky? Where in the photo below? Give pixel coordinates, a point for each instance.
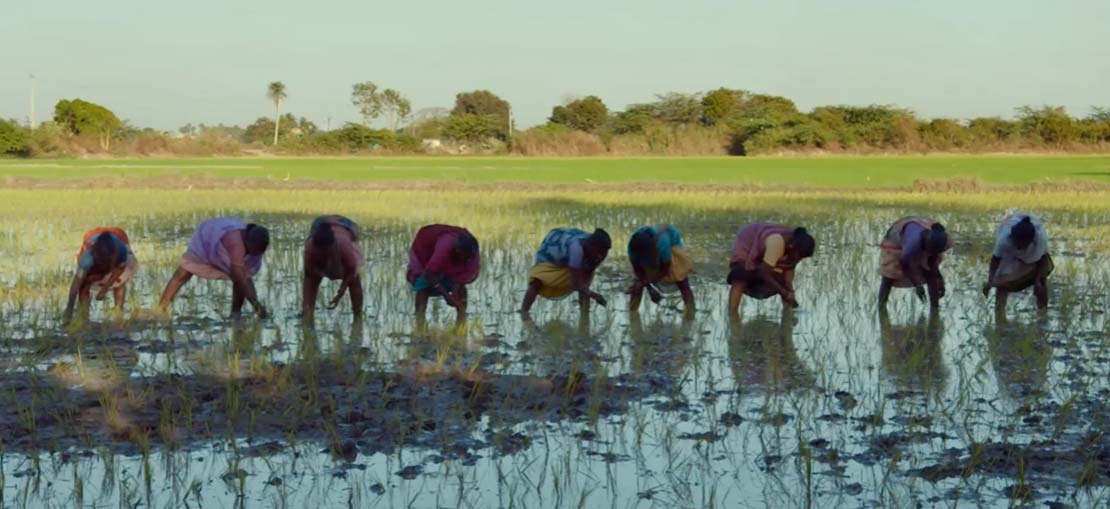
(165, 63)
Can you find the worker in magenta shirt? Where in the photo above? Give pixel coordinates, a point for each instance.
(443, 259)
(763, 260)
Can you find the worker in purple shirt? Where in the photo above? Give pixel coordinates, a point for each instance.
(912, 251)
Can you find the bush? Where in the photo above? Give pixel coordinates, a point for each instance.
(586, 114)
(944, 134)
(84, 118)
(798, 134)
(262, 130)
(557, 140)
(352, 138)
(990, 131)
(471, 127)
(1093, 131)
(480, 110)
(49, 139)
(1050, 124)
(634, 119)
(14, 140)
(720, 105)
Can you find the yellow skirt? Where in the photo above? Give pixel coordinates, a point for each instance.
(554, 280)
(681, 267)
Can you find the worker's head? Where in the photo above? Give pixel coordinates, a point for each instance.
(595, 249)
(936, 239)
(465, 248)
(802, 244)
(642, 245)
(257, 239)
(323, 236)
(1024, 233)
(104, 253)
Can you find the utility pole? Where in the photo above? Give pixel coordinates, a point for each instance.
(32, 118)
(509, 138)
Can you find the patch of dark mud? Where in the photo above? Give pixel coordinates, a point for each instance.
(731, 419)
(1084, 464)
(410, 472)
(609, 457)
(672, 405)
(884, 446)
(702, 436)
(352, 409)
(833, 418)
(900, 395)
(268, 448)
(777, 419)
(846, 400)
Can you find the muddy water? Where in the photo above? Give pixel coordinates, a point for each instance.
(830, 405)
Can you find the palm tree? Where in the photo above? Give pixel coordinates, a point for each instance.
(276, 92)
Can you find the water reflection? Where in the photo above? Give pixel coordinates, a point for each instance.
(762, 353)
(559, 346)
(912, 352)
(661, 347)
(1020, 354)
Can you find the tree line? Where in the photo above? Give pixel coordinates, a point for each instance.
(717, 122)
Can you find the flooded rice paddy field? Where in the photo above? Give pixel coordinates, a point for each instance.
(830, 405)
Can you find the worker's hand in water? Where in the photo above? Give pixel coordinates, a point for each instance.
(789, 300)
(986, 289)
(920, 291)
(334, 303)
(656, 297)
(102, 294)
(263, 313)
(600, 300)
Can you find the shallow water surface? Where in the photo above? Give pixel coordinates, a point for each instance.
(833, 404)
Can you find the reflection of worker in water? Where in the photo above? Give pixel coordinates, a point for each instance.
(912, 353)
(1020, 260)
(762, 352)
(657, 256)
(912, 251)
(661, 348)
(556, 347)
(1020, 354)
